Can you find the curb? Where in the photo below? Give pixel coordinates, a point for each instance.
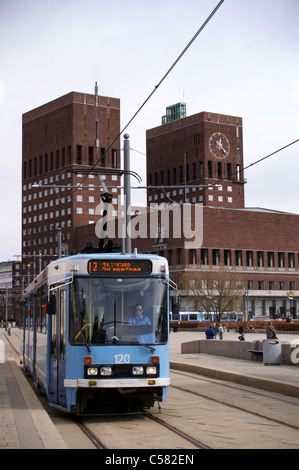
(264, 384)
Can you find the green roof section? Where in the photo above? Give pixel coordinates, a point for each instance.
(174, 113)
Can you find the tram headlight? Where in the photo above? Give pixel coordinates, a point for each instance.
(106, 370)
(151, 370)
(137, 370)
(92, 371)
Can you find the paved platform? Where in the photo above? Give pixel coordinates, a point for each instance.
(25, 425)
(276, 378)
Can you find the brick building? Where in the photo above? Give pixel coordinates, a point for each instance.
(199, 159)
(190, 160)
(62, 141)
(190, 155)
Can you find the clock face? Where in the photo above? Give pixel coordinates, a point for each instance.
(219, 145)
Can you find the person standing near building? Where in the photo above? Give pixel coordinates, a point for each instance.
(210, 332)
(220, 331)
(216, 329)
(270, 331)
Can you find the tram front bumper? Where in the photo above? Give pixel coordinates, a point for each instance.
(116, 383)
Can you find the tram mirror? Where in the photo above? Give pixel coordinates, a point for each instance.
(51, 305)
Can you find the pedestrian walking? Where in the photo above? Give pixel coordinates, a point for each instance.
(215, 328)
(9, 329)
(220, 331)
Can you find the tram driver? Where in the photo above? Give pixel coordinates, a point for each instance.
(140, 319)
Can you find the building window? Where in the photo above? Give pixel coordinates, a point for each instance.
(216, 257)
(79, 154)
(227, 257)
(90, 155)
(281, 260)
(260, 285)
(219, 170)
(250, 285)
(260, 258)
(271, 285)
(192, 256)
(249, 258)
(238, 255)
(270, 259)
(102, 156)
(282, 285)
(114, 158)
(204, 255)
(291, 260)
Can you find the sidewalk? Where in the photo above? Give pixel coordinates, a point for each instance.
(24, 424)
(276, 378)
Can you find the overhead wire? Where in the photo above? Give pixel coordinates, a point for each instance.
(258, 161)
(156, 87)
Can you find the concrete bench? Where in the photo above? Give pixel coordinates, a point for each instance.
(255, 351)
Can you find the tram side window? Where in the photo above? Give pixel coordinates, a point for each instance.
(62, 309)
(41, 300)
(27, 307)
(53, 336)
(30, 314)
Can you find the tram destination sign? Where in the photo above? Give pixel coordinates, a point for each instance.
(119, 266)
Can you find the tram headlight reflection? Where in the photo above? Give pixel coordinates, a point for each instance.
(106, 370)
(137, 370)
(151, 370)
(92, 371)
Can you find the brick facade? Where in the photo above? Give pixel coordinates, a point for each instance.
(61, 140)
(259, 245)
(179, 154)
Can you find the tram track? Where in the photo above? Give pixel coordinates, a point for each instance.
(228, 415)
(148, 426)
(237, 407)
(237, 416)
(196, 442)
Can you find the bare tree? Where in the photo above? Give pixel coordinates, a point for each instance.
(214, 292)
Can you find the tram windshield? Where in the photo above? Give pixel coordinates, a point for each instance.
(118, 310)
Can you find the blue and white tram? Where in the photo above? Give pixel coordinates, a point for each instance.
(84, 339)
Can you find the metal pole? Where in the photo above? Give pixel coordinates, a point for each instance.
(127, 192)
(59, 243)
(6, 307)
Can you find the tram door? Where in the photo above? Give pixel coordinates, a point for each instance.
(57, 392)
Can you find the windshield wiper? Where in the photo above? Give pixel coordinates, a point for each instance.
(85, 342)
(136, 343)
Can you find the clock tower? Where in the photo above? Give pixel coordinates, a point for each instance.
(196, 159)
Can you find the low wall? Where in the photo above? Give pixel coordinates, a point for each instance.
(239, 350)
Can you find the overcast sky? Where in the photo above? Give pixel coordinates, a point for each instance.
(245, 63)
